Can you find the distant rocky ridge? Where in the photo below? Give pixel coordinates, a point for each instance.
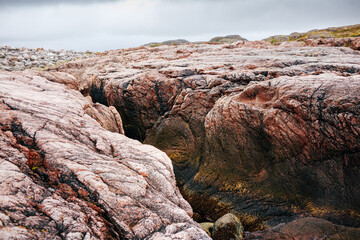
(224, 39)
(168, 42)
(333, 32)
(228, 39)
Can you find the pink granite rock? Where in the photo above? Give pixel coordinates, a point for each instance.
(64, 176)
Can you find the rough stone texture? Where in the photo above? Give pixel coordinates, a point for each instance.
(308, 228)
(228, 227)
(63, 176)
(292, 138)
(353, 43)
(272, 130)
(18, 59)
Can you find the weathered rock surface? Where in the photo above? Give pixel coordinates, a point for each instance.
(308, 228)
(63, 176)
(290, 137)
(228, 227)
(353, 43)
(271, 130)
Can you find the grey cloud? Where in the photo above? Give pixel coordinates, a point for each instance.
(10, 3)
(128, 23)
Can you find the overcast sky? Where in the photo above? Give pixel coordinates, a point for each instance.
(112, 24)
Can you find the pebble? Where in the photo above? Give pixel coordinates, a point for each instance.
(18, 59)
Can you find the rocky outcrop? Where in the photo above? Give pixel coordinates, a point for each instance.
(168, 42)
(351, 31)
(269, 130)
(227, 39)
(288, 137)
(64, 176)
(307, 228)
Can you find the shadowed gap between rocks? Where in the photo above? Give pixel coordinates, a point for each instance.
(131, 129)
(205, 206)
(98, 95)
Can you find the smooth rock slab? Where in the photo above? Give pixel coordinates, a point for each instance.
(63, 176)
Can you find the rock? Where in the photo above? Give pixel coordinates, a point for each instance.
(355, 44)
(40, 58)
(175, 42)
(307, 228)
(206, 105)
(207, 227)
(33, 58)
(299, 133)
(5, 68)
(227, 39)
(228, 227)
(168, 42)
(108, 117)
(319, 35)
(63, 176)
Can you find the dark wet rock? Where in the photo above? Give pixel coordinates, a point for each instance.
(289, 139)
(307, 228)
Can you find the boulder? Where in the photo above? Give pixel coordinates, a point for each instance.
(228, 227)
(64, 176)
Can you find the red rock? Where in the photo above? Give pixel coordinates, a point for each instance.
(257, 138)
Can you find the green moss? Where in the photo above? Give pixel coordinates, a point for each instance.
(153, 45)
